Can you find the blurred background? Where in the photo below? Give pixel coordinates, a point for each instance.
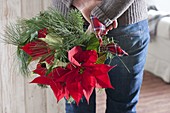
(162, 5)
(18, 96)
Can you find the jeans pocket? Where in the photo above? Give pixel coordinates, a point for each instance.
(131, 42)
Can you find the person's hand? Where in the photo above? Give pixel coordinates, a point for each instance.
(113, 25)
(85, 7)
(110, 27)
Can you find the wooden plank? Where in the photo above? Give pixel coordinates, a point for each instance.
(1, 24)
(52, 105)
(12, 85)
(35, 98)
(31, 8)
(46, 4)
(1, 105)
(34, 95)
(12, 90)
(6, 83)
(17, 95)
(100, 101)
(18, 83)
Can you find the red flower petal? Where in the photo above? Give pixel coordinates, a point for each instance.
(36, 49)
(70, 66)
(88, 83)
(87, 93)
(48, 58)
(78, 57)
(76, 91)
(73, 76)
(72, 53)
(53, 79)
(66, 92)
(103, 81)
(58, 73)
(59, 94)
(42, 33)
(88, 79)
(89, 56)
(42, 80)
(102, 68)
(40, 70)
(101, 74)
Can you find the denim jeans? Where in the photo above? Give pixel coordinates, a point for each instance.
(134, 40)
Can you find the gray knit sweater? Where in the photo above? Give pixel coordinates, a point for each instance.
(125, 11)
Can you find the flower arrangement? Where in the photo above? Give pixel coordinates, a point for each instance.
(70, 61)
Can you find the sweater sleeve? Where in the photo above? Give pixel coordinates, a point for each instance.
(63, 6)
(68, 3)
(111, 9)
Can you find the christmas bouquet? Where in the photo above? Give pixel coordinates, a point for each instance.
(69, 61)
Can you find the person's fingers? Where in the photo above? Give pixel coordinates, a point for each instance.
(115, 24)
(112, 26)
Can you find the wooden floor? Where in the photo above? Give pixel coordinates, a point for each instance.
(154, 96)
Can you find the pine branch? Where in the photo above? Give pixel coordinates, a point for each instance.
(24, 61)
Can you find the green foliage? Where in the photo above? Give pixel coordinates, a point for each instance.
(52, 40)
(70, 100)
(24, 60)
(101, 59)
(93, 43)
(15, 34)
(63, 34)
(42, 86)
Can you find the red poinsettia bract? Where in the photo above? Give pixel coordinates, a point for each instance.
(38, 48)
(78, 78)
(59, 87)
(85, 74)
(42, 33)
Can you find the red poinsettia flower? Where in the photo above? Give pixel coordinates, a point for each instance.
(36, 49)
(41, 69)
(42, 33)
(79, 78)
(49, 58)
(78, 83)
(59, 87)
(85, 74)
(39, 48)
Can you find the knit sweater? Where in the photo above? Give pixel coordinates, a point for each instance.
(125, 11)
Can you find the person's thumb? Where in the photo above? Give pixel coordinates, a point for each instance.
(115, 24)
(89, 29)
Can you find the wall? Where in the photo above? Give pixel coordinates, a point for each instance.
(16, 94)
(162, 5)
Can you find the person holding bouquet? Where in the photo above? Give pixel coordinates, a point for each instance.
(126, 22)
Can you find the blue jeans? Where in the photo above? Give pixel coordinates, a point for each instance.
(134, 40)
